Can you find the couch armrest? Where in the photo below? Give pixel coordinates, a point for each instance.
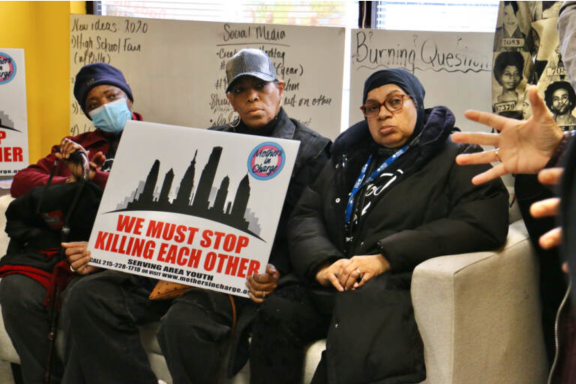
(479, 315)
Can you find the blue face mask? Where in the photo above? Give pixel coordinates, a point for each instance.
(111, 117)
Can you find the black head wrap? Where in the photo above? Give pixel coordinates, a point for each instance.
(405, 80)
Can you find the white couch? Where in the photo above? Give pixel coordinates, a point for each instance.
(478, 314)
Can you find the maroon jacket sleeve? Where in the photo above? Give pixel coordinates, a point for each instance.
(37, 174)
(100, 179)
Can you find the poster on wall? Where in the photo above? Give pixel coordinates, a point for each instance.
(13, 112)
(176, 69)
(198, 207)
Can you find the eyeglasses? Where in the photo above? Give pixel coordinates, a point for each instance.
(393, 103)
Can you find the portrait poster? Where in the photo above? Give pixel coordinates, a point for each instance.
(13, 112)
(527, 52)
(192, 206)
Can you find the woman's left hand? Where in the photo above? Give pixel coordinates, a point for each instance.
(360, 269)
(79, 257)
(263, 284)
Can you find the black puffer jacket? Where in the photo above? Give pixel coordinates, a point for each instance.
(313, 154)
(432, 209)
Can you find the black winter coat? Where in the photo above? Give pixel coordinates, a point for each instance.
(313, 154)
(432, 209)
(35, 223)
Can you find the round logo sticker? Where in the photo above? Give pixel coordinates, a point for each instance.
(7, 68)
(266, 161)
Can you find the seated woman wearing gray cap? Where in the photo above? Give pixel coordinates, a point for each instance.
(255, 93)
(390, 198)
(196, 327)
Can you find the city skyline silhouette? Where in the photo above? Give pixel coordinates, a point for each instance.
(196, 202)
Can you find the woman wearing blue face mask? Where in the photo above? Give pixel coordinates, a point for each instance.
(110, 116)
(106, 98)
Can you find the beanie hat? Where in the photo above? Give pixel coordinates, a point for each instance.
(92, 75)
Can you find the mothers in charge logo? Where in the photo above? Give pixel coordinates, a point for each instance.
(266, 161)
(7, 68)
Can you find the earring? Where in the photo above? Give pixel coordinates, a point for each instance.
(236, 123)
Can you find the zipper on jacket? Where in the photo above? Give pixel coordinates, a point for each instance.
(358, 204)
(343, 163)
(556, 341)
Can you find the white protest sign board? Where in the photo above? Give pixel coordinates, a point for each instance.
(192, 206)
(13, 113)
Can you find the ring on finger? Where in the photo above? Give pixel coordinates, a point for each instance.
(496, 154)
(263, 294)
(72, 269)
(360, 275)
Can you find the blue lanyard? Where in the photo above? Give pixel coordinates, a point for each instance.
(360, 183)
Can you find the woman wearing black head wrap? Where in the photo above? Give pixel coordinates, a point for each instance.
(390, 198)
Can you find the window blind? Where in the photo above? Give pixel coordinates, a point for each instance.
(319, 13)
(436, 15)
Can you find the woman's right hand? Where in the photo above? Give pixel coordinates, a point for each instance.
(328, 274)
(67, 148)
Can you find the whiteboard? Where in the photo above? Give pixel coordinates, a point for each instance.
(454, 68)
(176, 69)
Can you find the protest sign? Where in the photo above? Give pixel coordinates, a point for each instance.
(192, 206)
(13, 113)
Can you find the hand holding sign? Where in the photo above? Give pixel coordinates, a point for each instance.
(79, 256)
(263, 284)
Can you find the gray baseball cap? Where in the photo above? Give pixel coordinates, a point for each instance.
(250, 62)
